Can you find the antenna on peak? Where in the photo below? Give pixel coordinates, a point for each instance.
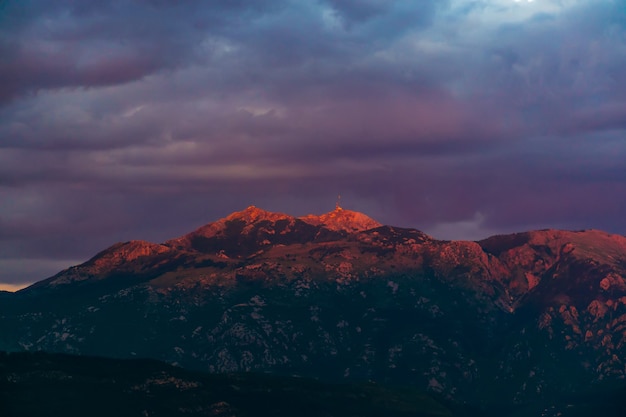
(337, 206)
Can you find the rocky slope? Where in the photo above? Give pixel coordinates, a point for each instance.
(512, 319)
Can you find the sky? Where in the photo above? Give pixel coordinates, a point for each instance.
(146, 119)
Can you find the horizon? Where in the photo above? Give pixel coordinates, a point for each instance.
(463, 119)
(11, 287)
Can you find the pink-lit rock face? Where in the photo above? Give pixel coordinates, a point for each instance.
(342, 220)
(337, 220)
(251, 230)
(250, 216)
(506, 267)
(127, 252)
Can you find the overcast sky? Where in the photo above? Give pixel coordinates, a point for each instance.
(145, 119)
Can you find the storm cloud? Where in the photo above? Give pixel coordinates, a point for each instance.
(146, 119)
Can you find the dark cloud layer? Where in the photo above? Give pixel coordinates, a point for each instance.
(145, 119)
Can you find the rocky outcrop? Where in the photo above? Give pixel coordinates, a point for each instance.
(342, 220)
(123, 253)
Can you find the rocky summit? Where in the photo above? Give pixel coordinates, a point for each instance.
(508, 322)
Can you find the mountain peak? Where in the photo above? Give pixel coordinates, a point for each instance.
(254, 214)
(253, 229)
(124, 252)
(342, 220)
(339, 219)
(248, 219)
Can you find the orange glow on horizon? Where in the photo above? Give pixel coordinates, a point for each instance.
(12, 287)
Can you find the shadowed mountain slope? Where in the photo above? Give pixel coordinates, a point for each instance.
(44, 385)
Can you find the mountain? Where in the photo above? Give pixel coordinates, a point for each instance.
(508, 321)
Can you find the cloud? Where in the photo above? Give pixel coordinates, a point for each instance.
(88, 44)
(470, 229)
(144, 119)
(16, 274)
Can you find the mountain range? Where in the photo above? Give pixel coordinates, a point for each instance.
(506, 323)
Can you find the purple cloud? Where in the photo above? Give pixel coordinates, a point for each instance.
(145, 119)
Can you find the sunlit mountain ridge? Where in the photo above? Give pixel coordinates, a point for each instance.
(512, 319)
